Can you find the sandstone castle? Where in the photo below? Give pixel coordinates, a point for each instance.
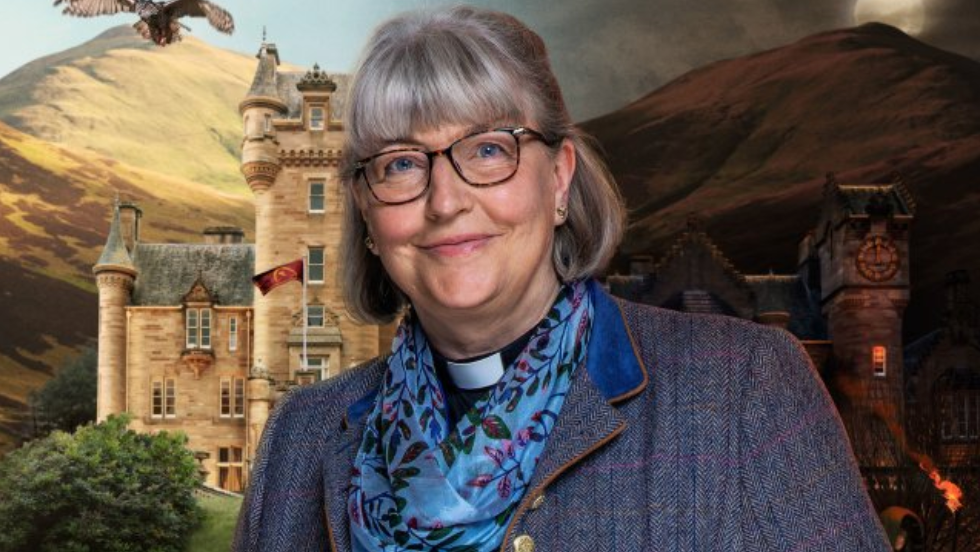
(185, 341)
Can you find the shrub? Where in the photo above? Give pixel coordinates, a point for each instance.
(67, 400)
(104, 489)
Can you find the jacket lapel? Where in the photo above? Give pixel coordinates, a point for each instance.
(341, 453)
(588, 420)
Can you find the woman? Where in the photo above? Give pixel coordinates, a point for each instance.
(521, 406)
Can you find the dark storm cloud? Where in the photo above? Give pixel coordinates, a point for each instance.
(953, 25)
(607, 54)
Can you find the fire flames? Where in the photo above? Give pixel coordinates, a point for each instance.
(951, 492)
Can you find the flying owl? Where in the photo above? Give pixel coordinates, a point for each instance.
(159, 21)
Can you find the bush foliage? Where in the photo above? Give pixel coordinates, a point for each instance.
(104, 489)
(67, 400)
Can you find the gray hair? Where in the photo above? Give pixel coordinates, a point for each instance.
(422, 70)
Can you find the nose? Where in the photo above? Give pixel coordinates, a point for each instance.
(448, 194)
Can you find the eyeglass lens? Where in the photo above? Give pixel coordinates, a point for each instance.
(481, 159)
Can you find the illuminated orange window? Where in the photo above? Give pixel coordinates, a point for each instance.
(878, 360)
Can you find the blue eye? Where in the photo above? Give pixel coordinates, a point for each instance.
(489, 150)
(400, 165)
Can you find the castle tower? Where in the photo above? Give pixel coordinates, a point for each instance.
(260, 165)
(115, 274)
(862, 243)
(290, 158)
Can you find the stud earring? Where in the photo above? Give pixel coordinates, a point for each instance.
(369, 243)
(562, 211)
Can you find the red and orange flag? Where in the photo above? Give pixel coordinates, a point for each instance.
(275, 277)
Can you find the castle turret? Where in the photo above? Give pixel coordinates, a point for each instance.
(261, 166)
(115, 274)
(261, 106)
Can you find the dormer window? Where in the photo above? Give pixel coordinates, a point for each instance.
(314, 316)
(317, 117)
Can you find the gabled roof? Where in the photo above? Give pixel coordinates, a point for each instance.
(288, 92)
(168, 271)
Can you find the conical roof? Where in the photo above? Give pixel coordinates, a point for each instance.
(264, 84)
(114, 254)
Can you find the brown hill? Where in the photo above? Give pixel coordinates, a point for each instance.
(746, 143)
(54, 215)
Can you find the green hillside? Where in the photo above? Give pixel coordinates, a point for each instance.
(172, 110)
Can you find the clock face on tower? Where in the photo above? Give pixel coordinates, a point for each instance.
(878, 258)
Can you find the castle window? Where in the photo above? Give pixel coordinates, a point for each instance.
(163, 395)
(316, 118)
(232, 399)
(198, 328)
(239, 410)
(230, 468)
(233, 333)
(960, 413)
(205, 328)
(267, 126)
(192, 328)
(319, 364)
(314, 316)
(956, 394)
(169, 399)
(314, 371)
(314, 269)
(878, 361)
(316, 196)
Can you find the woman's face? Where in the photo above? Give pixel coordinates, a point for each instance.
(479, 250)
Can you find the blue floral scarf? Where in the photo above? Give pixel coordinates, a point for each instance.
(418, 485)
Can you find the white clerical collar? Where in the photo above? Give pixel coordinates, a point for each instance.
(476, 374)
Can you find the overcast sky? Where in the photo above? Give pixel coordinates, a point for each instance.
(606, 52)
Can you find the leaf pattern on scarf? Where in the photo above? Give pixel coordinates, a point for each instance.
(418, 485)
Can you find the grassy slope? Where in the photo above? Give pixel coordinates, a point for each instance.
(216, 531)
(158, 126)
(171, 110)
(55, 205)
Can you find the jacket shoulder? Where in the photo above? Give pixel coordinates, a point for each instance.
(666, 334)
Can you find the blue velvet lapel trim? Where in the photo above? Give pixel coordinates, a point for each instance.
(612, 360)
(613, 363)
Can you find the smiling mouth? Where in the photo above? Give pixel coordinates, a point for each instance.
(458, 246)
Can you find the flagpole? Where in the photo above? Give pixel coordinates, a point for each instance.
(306, 316)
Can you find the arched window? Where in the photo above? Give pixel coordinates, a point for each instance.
(956, 396)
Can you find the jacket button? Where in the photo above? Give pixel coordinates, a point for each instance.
(523, 543)
(537, 502)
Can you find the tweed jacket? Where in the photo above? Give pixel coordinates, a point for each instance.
(684, 433)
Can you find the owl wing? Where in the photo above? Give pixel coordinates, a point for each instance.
(91, 8)
(218, 17)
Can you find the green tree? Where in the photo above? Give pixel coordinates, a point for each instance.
(67, 400)
(104, 489)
